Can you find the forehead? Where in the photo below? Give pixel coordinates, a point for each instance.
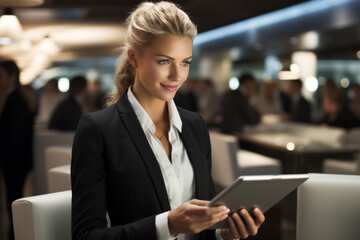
(170, 45)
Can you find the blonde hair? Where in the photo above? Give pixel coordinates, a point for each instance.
(147, 22)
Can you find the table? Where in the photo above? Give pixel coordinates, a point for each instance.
(295, 147)
(301, 149)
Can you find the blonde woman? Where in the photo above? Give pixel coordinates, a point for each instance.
(142, 160)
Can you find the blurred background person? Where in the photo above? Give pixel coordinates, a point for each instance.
(337, 113)
(96, 96)
(68, 113)
(17, 111)
(208, 102)
(268, 101)
(238, 106)
(186, 96)
(354, 102)
(328, 84)
(49, 98)
(300, 108)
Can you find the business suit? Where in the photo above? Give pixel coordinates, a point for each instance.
(301, 112)
(115, 170)
(237, 112)
(66, 115)
(16, 138)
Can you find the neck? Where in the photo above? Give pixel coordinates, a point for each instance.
(155, 108)
(158, 112)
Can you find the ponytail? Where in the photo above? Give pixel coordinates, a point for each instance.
(124, 78)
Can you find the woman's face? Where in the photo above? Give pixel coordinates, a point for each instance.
(162, 68)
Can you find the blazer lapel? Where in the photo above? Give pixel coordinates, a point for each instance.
(196, 160)
(138, 137)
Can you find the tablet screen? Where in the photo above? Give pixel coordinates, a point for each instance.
(262, 191)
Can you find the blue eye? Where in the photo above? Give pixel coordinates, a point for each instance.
(186, 63)
(163, 61)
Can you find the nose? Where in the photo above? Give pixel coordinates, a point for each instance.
(175, 73)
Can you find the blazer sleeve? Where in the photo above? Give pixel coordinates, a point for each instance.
(205, 141)
(89, 189)
(209, 234)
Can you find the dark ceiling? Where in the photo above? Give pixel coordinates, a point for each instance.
(207, 14)
(341, 42)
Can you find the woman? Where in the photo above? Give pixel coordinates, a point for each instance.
(142, 160)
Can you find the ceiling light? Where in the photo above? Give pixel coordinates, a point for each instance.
(344, 82)
(311, 84)
(10, 28)
(20, 3)
(295, 68)
(48, 47)
(288, 75)
(310, 40)
(234, 83)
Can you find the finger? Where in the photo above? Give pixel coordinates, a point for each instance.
(199, 202)
(259, 217)
(213, 220)
(207, 212)
(241, 227)
(249, 221)
(233, 228)
(211, 217)
(204, 223)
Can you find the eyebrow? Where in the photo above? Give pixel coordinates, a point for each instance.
(163, 55)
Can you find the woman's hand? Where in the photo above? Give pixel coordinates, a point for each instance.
(242, 224)
(194, 216)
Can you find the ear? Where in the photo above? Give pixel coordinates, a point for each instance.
(132, 58)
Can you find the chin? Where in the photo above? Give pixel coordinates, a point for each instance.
(167, 97)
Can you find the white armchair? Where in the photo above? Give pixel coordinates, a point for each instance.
(42, 140)
(56, 156)
(59, 179)
(229, 162)
(43, 217)
(348, 166)
(328, 207)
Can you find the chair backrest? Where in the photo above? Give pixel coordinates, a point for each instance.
(357, 159)
(43, 217)
(56, 156)
(329, 207)
(353, 136)
(43, 140)
(59, 179)
(224, 159)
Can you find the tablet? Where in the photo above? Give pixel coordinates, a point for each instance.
(262, 191)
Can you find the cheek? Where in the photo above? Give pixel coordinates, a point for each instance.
(155, 71)
(184, 74)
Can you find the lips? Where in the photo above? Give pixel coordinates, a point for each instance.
(171, 88)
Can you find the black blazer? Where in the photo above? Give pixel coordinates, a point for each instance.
(237, 112)
(303, 111)
(16, 136)
(114, 169)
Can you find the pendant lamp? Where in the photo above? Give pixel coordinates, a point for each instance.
(20, 3)
(10, 28)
